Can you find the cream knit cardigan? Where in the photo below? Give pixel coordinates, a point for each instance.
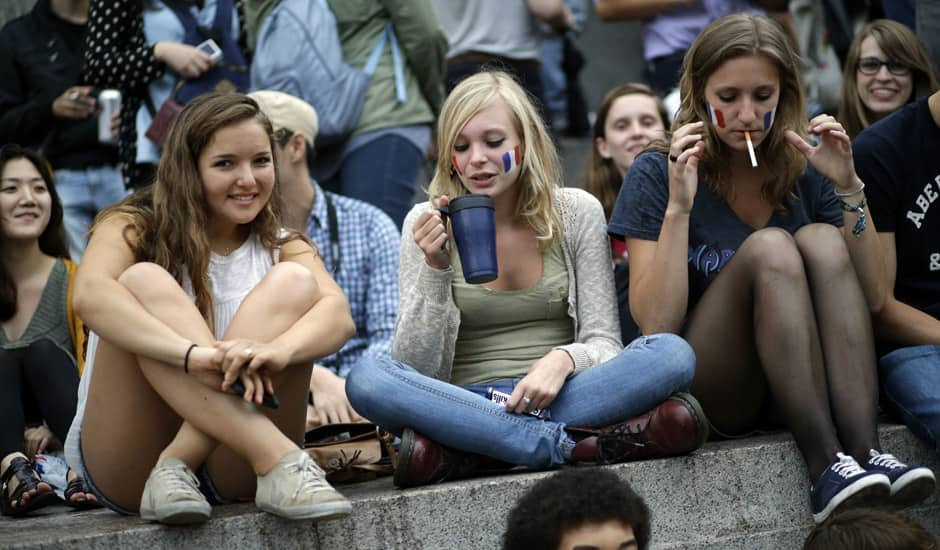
(428, 319)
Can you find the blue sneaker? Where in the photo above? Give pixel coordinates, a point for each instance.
(909, 484)
(845, 484)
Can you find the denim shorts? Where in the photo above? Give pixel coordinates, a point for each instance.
(76, 460)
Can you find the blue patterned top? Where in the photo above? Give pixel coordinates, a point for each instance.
(368, 273)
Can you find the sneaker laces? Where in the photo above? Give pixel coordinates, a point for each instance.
(177, 480)
(885, 460)
(846, 467)
(312, 477)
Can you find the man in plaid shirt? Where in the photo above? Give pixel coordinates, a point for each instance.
(358, 242)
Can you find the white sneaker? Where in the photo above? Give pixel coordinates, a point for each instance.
(296, 488)
(171, 495)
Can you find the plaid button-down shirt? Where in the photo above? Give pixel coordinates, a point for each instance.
(368, 273)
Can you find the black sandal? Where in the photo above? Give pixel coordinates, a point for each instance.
(26, 480)
(78, 485)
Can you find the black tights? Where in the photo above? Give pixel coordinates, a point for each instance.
(38, 382)
(785, 327)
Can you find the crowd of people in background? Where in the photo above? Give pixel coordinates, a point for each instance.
(244, 251)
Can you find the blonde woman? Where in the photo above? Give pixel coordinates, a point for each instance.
(182, 285)
(544, 332)
(753, 266)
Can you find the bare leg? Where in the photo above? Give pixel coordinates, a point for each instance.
(846, 335)
(754, 333)
(135, 405)
(286, 293)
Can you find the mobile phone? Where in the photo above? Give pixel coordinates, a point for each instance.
(500, 398)
(269, 400)
(211, 48)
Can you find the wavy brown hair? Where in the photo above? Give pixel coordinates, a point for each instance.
(52, 239)
(601, 177)
(168, 219)
(727, 38)
(540, 172)
(900, 45)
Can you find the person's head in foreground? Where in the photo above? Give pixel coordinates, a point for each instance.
(579, 509)
(867, 529)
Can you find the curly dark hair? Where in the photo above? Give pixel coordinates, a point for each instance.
(570, 499)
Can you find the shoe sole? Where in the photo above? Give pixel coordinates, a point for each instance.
(320, 512)
(912, 488)
(405, 451)
(701, 420)
(181, 513)
(869, 491)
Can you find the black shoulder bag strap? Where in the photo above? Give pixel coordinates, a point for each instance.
(334, 234)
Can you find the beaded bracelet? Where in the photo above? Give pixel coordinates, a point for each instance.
(859, 209)
(851, 193)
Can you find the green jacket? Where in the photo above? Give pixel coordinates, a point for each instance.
(423, 48)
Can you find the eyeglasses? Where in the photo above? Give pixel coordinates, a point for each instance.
(871, 66)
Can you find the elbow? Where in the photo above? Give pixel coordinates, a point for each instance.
(347, 326)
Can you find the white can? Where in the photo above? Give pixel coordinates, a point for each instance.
(110, 102)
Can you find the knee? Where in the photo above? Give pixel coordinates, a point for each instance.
(44, 345)
(678, 365)
(362, 382)
(823, 247)
(146, 280)
(772, 253)
(302, 288)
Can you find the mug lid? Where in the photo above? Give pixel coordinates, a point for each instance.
(470, 200)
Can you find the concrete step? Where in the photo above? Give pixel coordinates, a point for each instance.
(749, 493)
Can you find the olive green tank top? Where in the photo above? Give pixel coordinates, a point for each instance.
(502, 333)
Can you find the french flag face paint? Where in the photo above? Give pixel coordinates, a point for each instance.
(511, 159)
(716, 116)
(769, 119)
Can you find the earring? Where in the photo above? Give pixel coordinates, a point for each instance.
(453, 172)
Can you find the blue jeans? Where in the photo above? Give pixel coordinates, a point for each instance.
(84, 193)
(910, 383)
(383, 172)
(396, 397)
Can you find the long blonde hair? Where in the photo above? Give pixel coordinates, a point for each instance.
(168, 219)
(540, 170)
(900, 45)
(727, 38)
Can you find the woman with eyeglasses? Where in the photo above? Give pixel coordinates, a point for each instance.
(885, 69)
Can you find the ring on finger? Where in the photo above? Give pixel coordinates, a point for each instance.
(527, 401)
(248, 351)
(673, 158)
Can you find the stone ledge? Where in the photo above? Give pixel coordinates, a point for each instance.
(750, 493)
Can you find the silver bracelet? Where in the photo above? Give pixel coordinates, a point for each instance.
(851, 193)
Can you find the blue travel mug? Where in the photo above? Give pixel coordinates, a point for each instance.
(471, 221)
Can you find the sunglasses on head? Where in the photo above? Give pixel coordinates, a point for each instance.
(871, 65)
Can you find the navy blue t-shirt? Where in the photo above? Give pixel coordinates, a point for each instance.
(898, 158)
(715, 231)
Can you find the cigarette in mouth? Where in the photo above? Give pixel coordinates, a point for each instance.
(750, 149)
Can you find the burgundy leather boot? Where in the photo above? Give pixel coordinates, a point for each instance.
(424, 462)
(674, 427)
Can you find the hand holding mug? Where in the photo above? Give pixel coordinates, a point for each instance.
(430, 234)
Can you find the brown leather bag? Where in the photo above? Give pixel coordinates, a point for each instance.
(351, 452)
